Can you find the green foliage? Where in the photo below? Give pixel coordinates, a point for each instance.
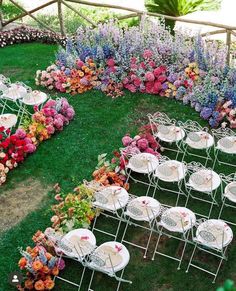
(181, 7)
(9, 10)
(72, 20)
(228, 286)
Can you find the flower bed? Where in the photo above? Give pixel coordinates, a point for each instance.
(150, 60)
(24, 34)
(14, 147)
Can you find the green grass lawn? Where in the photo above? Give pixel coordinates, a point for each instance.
(70, 156)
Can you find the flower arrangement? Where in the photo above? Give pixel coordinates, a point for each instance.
(147, 59)
(24, 34)
(74, 210)
(110, 173)
(40, 266)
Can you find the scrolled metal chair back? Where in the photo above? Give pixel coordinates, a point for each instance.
(222, 132)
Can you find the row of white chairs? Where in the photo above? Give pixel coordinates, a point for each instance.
(191, 138)
(180, 223)
(109, 258)
(189, 180)
(15, 98)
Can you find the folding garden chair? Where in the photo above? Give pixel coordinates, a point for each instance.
(76, 245)
(202, 185)
(141, 212)
(225, 147)
(175, 223)
(8, 121)
(169, 173)
(110, 202)
(30, 99)
(197, 140)
(167, 131)
(11, 96)
(228, 194)
(109, 258)
(140, 166)
(213, 237)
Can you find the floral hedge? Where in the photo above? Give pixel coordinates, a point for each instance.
(24, 34)
(147, 59)
(14, 147)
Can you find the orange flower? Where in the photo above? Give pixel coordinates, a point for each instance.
(55, 271)
(48, 256)
(37, 265)
(49, 284)
(45, 269)
(39, 285)
(29, 284)
(22, 263)
(81, 74)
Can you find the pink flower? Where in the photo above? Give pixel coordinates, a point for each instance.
(131, 88)
(149, 76)
(58, 123)
(147, 54)
(162, 78)
(125, 81)
(142, 65)
(152, 64)
(70, 113)
(149, 87)
(137, 82)
(110, 63)
(79, 63)
(133, 66)
(157, 72)
(142, 144)
(126, 140)
(150, 151)
(29, 148)
(157, 87)
(20, 133)
(50, 103)
(58, 197)
(50, 129)
(133, 60)
(61, 264)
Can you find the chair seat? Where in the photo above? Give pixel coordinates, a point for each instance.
(143, 163)
(204, 180)
(171, 171)
(227, 144)
(84, 241)
(230, 191)
(111, 198)
(178, 219)
(118, 253)
(174, 133)
(199, 140)
(214, 233)
(34, 98)
(143, 208)
(8, 120)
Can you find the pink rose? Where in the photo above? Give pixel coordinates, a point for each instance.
(149, 77)
(162, 78)
(150, 151)
(125, 81)
(110, 63)
(147, 54)
(152, 64)
(142, 144)
(20, 133)
(70, 113)
(50, 129)
(126, 140)
(137, 82)
(157, 72)
(131, 88)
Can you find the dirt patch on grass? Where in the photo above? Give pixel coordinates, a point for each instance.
(16, 203)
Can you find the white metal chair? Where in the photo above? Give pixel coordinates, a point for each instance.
(228, 194)
(167, 131)
(175, 223)
(225, 147)
(197, 139)
(110, 202)
(109, 258)
(8, 121)
(169, 173)
(139, 167)
(4, 83)
(203, 181)
(75, 245)
(213, 237)
(141, 212)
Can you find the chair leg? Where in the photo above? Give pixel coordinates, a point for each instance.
(191, 258)
(121, 276)
(182, 254)
(91, 280)
(148, 242)
(157, 243)
(82, 277)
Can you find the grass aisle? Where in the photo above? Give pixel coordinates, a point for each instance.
(71, 156)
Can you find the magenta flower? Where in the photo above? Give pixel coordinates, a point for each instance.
(20, 133)
(147, 54)
(149, 76)
(142, 144)
(126, 140)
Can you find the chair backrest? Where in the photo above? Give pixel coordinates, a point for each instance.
(159, 122)
(220, 133)
(195, 167)
(191, 126)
